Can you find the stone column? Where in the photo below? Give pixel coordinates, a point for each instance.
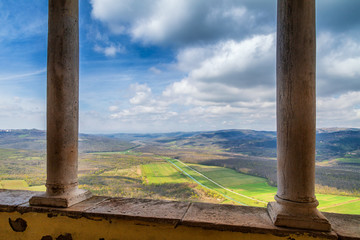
(62, 107)
(296, 203)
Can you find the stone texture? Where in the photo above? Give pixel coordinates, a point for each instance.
(142, 209)
(296, 98)
(62, 96)
(79, 207)
(345, 225)
(239, 218)
(62, 107)
(296, 118)
(64, 200)
(10, 199)
(227, 217)
(303, 217)
(199, 215)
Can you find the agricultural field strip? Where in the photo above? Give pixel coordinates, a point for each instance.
(192, 169)
(340, 204)
(187, 174)
(227, 189)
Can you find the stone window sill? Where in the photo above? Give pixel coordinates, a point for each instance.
(206, 216)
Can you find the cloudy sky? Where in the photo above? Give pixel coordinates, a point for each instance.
(176, 65)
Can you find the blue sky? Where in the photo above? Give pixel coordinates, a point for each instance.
(176, 65)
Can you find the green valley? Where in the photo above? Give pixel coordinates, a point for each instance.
(227, 167)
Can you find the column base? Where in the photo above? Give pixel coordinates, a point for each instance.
(285, 213)
(64, 200)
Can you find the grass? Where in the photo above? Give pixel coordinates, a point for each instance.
(159, 173)
(14, 184)
(41, 188)
(349, 160)
(332, 162)
(347, 208)
(144, 175)
(20, 185)
(327, 200)
(166, 179)
(222, 180)
(127, 152)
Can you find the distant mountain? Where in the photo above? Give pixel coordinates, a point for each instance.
(330, 143)
(338, 143)
(152, 136)
(33, 139)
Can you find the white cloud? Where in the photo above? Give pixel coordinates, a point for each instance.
(20, 112)
(228, 71)
(155, 70)
(113, 108)
(340, 111)
(217, 90)
(339, 56)
(21, 76)
(143, 94)
(185, 21)
(338, 64)
(110, 50)
(144, 106)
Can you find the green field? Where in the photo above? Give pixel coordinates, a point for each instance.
(236, 187)
(226, 182)
(20, 185)
(347, 208)
(173, 172)
(159, 173)
(144, 175)
(349, 160)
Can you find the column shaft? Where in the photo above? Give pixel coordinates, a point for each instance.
(296, 117)
(62, 95)
(62, 107)
(296, 98)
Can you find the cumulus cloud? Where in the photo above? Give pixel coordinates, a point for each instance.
(163, 114)
(340, 111)
(338, 64)
(203, 64)
(228, 71)
(226, 51)
(143, 94)
(185, 21)
(144, 106)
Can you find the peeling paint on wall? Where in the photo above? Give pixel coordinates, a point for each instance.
(19, 225)
(40, 227)
(66, 236)
(47, 237)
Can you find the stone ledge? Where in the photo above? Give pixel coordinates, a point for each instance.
(195, 215)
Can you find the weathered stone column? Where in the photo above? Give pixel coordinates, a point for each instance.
(62, 107)
(296, 203)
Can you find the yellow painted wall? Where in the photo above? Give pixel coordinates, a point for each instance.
(40, 225)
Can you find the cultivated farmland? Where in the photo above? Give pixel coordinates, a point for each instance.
(235, 187)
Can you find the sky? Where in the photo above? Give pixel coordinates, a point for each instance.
(176, 65)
